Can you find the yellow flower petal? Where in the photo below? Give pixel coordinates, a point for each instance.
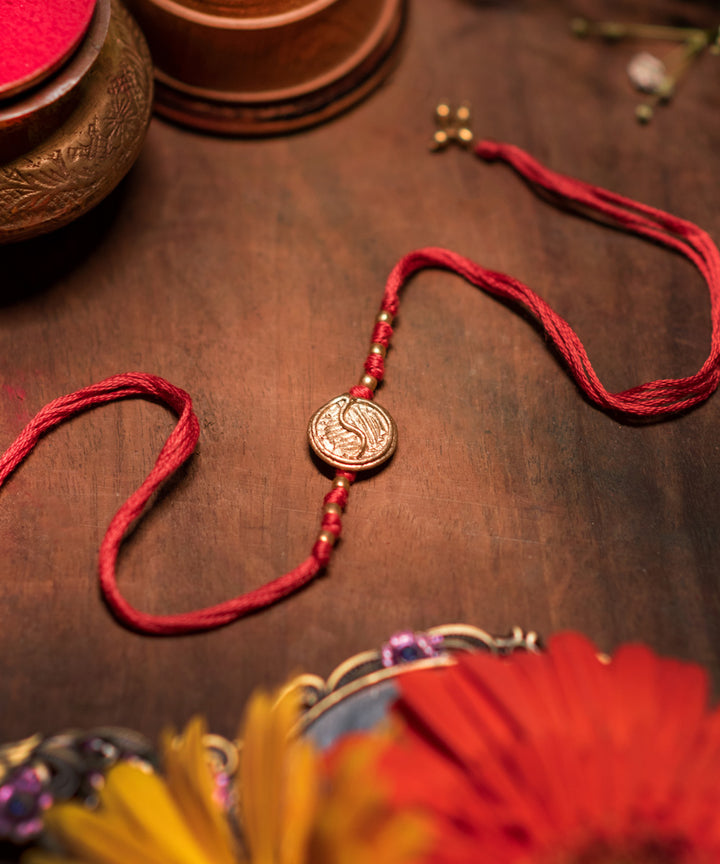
(256, 783)
(191, 783)
(291, 814)
(263, 772)
(86, 836)
(356, 823)
(40, 856)
(138, 822)
(300, 802)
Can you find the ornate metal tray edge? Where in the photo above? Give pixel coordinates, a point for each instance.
(404, 652)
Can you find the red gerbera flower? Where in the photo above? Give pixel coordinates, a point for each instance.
(562, 758)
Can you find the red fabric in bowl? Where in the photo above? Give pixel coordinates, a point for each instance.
(36, 37)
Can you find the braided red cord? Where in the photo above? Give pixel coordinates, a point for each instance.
(654, 399)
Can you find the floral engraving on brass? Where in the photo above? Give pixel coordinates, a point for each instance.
(82, 160)
(352, 434)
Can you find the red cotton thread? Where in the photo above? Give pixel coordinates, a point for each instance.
(177, 449)
(651, 400)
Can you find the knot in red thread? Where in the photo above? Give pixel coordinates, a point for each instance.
(488, 150)
(375, 366)
(382, 333)
(336, 496)
(361, 392)
(332, 522)
(322, 551)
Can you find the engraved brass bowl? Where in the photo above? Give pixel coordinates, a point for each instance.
(66, 144)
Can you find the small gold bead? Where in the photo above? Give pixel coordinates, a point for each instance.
(462, 115)
(342, 483)
(369, 381)
(465, 135)
(333, 508)
(440, 137)
(580, 27)
(384, 317)
(326, 537)
(644, 113)
(442, 111)
(377, 348)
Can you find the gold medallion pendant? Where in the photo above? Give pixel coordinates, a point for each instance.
(352, 433)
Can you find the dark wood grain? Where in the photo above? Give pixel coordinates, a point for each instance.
(249, 273)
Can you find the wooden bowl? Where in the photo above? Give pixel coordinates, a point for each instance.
(67, 142)
(256, 67)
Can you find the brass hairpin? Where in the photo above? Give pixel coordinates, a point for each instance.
(657, 77)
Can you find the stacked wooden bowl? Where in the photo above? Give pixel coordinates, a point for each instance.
(266, 66)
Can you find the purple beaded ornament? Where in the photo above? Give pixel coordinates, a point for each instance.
(23, 800)
(406, 646)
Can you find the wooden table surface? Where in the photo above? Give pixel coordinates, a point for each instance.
(248, 272)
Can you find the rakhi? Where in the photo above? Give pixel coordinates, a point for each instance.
(351, 432)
